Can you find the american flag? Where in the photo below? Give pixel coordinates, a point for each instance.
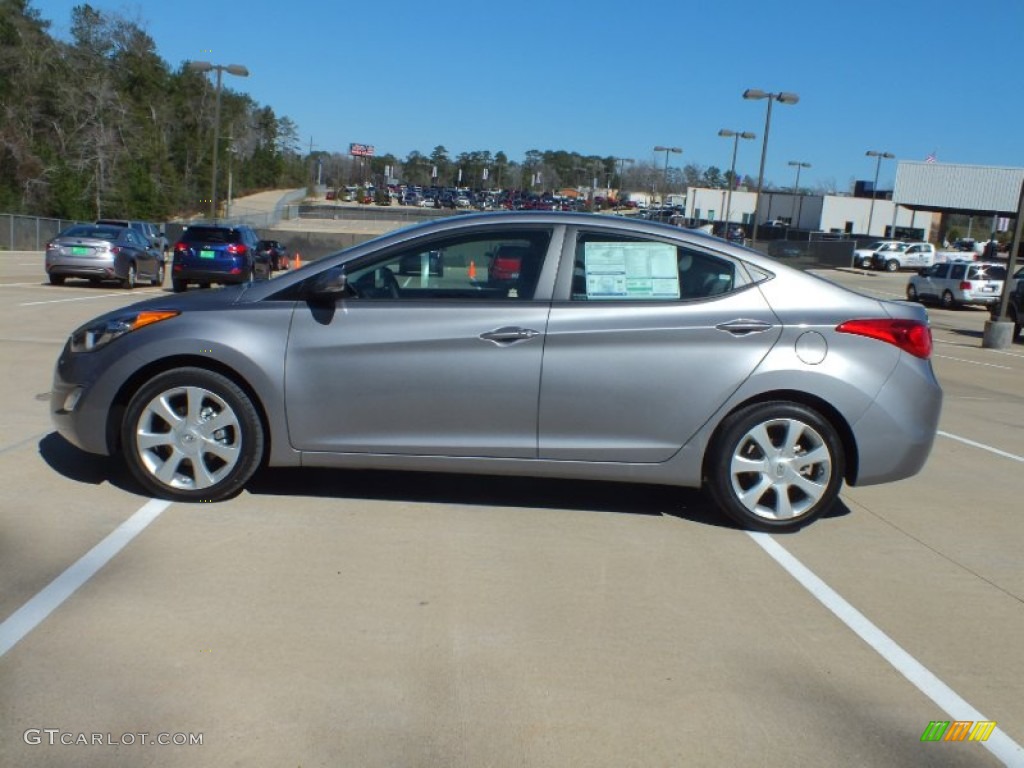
(931, 158)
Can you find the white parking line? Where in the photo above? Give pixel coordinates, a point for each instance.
(975, 346)
(45, 602)
(999, 744)
(84, 298)
(983, 447)
(974, 362)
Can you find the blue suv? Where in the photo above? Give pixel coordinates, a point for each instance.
(207, 254)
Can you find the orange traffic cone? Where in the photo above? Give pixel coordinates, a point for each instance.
(298, 260)
(472, 270)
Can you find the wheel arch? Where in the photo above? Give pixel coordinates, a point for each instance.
(137, 380)
(821, 406)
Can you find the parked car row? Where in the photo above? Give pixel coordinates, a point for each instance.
(122, 251)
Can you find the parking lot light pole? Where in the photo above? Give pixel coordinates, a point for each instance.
(667, 151)
(796, 190)
(231, 69)
(622, 169)
(736, 136)
(874, 189)
(783, 98)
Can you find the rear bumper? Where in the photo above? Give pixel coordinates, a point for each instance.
(221, 276)
(895, 435)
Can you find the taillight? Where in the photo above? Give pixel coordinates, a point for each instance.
(180, 247)
(115, 249)
(965, 285)
(909, 335)
(236, 249)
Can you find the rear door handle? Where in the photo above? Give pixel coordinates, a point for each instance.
(743, 327)
(509, 335)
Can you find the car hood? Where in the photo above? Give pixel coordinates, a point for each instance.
(205, 300)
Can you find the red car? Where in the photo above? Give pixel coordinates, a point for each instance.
(506, 264)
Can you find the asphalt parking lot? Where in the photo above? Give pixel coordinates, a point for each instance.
(327, 618)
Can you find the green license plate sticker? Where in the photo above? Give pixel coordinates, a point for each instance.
(207, 254)
(80, 250)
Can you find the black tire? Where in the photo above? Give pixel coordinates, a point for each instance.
(892, 266)
(179, 286)
(131, 278)
(947, 301)
(764, 490)
(912, 293)
(208, 459)
(158, 278)
(56, 279)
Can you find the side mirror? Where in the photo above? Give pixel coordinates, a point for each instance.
(329, 286)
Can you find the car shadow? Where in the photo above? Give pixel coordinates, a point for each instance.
(967, 332)
(75, 464)
(429, 488)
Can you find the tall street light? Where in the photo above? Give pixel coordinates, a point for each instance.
(231, 69)
(736, 136)
(878, 166)
(783, 98)
(796, 187)
(622, 166)
(667, 150)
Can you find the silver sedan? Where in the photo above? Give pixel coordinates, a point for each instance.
(619, 350)
(99, 252)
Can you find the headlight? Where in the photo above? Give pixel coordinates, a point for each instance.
(99, 333)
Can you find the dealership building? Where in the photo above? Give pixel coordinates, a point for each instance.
(923, 194)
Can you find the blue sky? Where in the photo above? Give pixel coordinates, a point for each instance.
(911, 77)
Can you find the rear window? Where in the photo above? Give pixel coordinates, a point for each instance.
(986, 272)
(210, 235)
(91, 230)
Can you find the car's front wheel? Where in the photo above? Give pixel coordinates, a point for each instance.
(892, 266)
(775, 466)
(911, 293)
(192, 435)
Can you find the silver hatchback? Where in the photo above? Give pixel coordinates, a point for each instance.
(621, 350)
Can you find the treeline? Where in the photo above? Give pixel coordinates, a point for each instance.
(550, 170)
(101, 126)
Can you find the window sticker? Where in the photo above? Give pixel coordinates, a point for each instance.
(631, 271)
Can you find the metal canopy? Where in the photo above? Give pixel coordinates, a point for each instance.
(974, 190)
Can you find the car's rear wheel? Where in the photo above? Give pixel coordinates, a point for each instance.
(131, 278)
(192, 435)
(179, 286)
(947, 301)
(56, 279)
(775, 466)
(158, 278)
(911, 293)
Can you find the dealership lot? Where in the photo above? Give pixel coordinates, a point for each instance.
(380, 619)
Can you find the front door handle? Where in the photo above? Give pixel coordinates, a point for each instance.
(743, 327)
(509, 335)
